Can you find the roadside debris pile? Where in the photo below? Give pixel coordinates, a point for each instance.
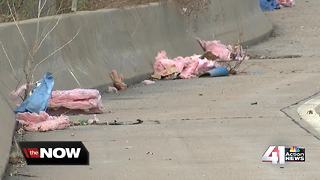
(182, 67)
(217, 55)
(38, 100)
(42, 122)
(32, 112)
(270, 5)
(88, 100)
(215, 50)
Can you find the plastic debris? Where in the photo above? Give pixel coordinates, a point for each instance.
(268, 5)
(95, 120)
(217, 72)
(88, 100)
(112, 89)
(42, 122)
(148, 82)
(38, 101)
(117, 80)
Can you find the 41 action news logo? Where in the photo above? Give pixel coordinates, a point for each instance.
(55, 153)
(282, 154)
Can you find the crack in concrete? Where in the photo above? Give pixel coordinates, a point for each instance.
(210, 118)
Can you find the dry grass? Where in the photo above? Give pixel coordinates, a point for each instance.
(25, 9)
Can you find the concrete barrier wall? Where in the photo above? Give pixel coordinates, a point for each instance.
(126, 40)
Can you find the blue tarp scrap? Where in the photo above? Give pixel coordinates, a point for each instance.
(38, 101)
(269, 5)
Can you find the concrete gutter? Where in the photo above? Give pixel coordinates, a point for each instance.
(122, 39)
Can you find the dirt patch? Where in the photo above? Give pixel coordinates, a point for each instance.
(99, 4)
(190, 7)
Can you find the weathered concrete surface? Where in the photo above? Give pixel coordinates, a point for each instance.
(126, 40)
(216, 135)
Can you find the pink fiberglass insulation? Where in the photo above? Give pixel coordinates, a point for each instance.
(286, 3)
(76, 99)
(42, 122)
(220, 50)
(186, 67)
(164, 66)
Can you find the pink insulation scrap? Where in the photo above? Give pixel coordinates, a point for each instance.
(185, 67)
(77, 99)
(42, 122)
(223, 52)
(286, 3)
(220, 50)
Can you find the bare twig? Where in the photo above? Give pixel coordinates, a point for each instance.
(20, 32)
(75, 78)
(45, 37)
(45, 28)
(55, 51)
(60, 7)
(9, 60)
(40, 8)
(38, 23)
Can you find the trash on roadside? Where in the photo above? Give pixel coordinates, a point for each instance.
(42, 122)
(219, 50)
(38, 100)
(216, 55)
(215, 50)
(32, 114)
(87, 100)
(117, 80)
(217, 72)
(180, 67)
(254, 103)
(148, 82)
(17, 95)
(80, 122)
(286, 3)
(112, 89)
(270, 5)
(95, 120)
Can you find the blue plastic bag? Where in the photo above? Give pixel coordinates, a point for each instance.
(268, 5)
(38, 101)
(218, 71)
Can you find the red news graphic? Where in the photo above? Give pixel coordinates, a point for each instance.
(55, 153)
(282, 154)
(31, 152)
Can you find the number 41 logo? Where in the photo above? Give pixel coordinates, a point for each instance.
(274, 154)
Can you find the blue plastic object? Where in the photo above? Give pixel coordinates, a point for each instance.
(38, 101)
(219, 71)
(268, 5)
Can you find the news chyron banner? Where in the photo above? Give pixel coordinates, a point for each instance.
(55, 152)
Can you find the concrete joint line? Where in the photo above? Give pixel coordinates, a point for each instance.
(306, 112)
